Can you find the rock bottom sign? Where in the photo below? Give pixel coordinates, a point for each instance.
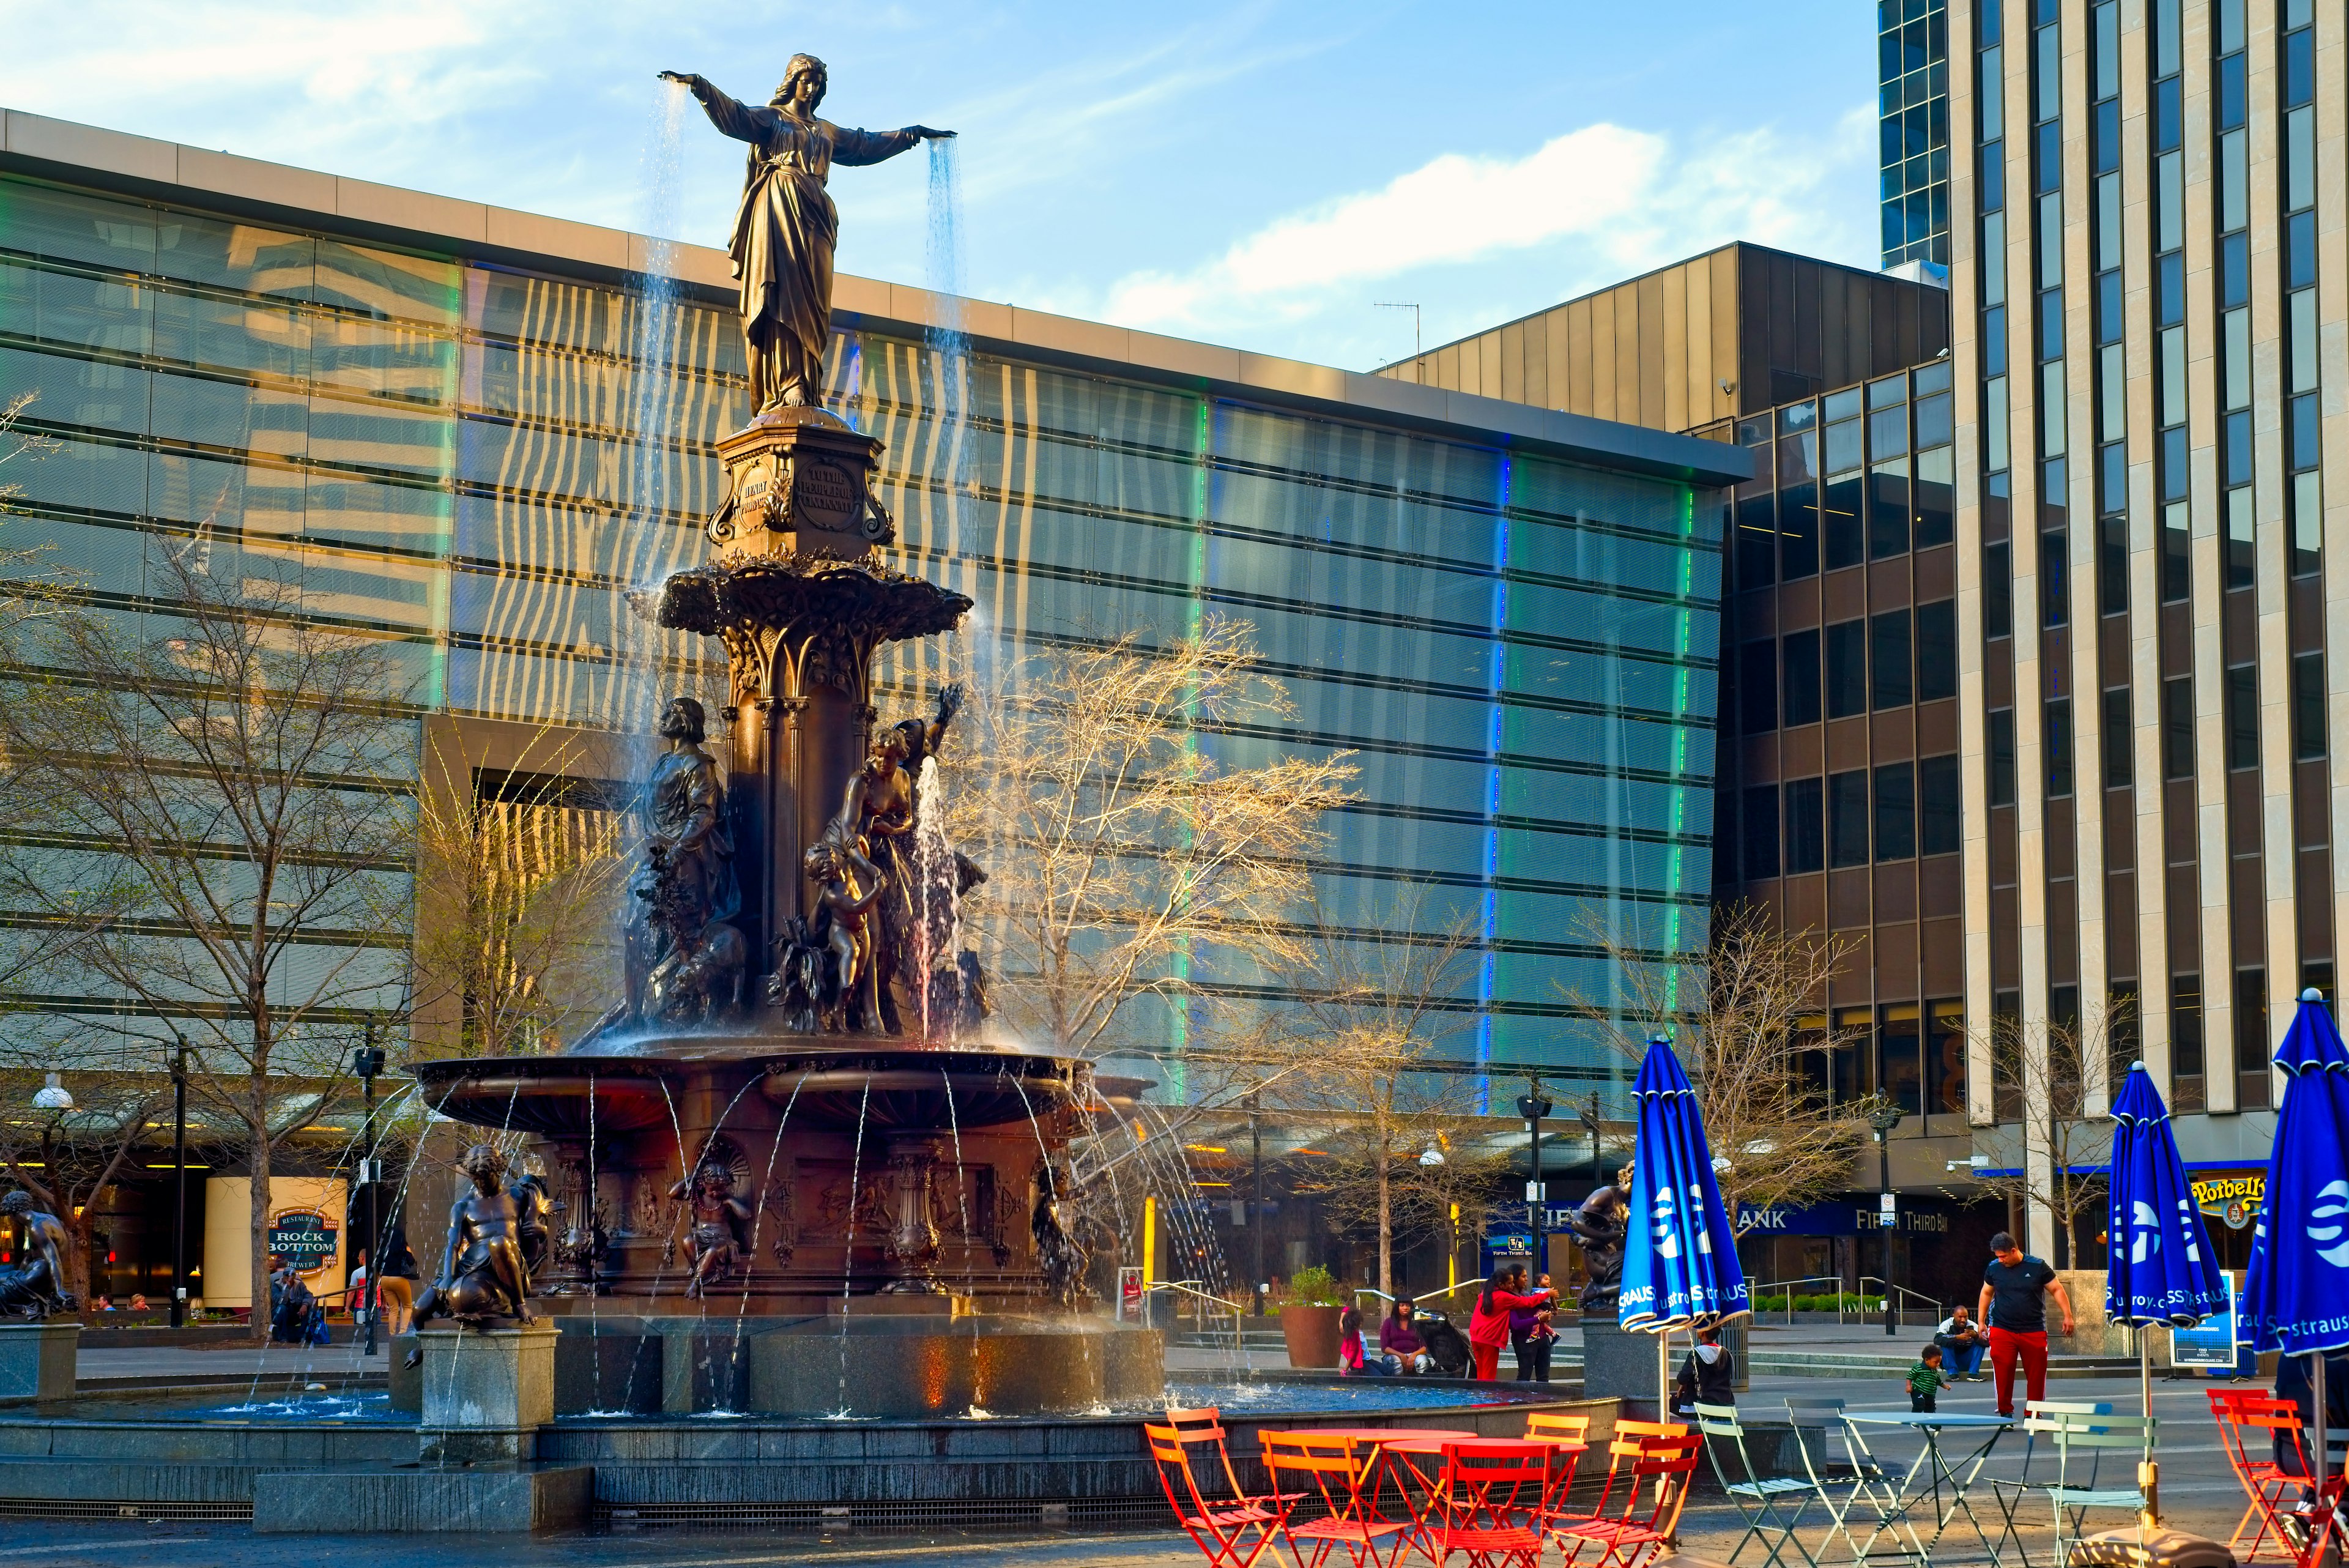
(303, 1237)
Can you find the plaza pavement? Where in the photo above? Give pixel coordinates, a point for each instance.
(2198, 1492)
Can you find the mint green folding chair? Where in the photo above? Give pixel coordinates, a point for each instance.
(2081, 1434)
(1759, 1497)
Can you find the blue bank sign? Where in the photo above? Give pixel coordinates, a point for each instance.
(1845, 1218)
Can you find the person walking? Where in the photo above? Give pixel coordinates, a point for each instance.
(1488, 1319)
(2014, 1287)
(1401, 1344)
(394, 1283)
(1961, 1338)
(1926, 1380)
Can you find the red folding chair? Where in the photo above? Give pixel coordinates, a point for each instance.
(1490, 1502)
(1624, 1537)
(1622, 1452)
(2253, 1423)
(1327, 1473)
(1231, 1531)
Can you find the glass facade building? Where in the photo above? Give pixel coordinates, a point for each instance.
(473, 460)
(1913, 107)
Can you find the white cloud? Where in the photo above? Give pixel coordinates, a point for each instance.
(1584, 209)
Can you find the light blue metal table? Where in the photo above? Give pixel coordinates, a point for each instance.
(1931, 1472)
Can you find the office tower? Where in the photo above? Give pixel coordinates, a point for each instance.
(1912, 107)
(2137, 265)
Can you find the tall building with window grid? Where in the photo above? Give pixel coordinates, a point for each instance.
(1913, 107)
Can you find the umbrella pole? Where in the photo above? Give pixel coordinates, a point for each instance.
(2323, 1454)
(1664, 1375)
(2148, 1470)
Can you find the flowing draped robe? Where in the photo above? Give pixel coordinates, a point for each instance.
(784, 232)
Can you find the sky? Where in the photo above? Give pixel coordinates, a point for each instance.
(1262, 175)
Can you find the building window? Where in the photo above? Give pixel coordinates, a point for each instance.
(1847, 652)
(1805, 835)
(1998, 591)
(2055, 578)
(2253, 1051)
(1760, 839)
(2001, 756)
(2242, 717)
(1896, 811)
(1847, 819)
(2185, 1054)
(2058, 711)
(1802, 659)
(1938, 823)
(1888, 636)
(1757, 686)
(1798, 530)
(1937, 650)
(1757, 531)
(2120, 743)
(1945, 1056)
(2178, 727)
(1900, 1052)
(2307, 706)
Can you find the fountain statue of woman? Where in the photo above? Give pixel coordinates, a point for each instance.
(785, 228)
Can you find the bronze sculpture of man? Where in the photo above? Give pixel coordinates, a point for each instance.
(38, 1287)
(786, 227)
(686, 888)
(1600, 1227)
(484, 1275)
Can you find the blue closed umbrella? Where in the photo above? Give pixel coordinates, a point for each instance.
(2161, 1268)
(1680, 1258)
(2296, 1291)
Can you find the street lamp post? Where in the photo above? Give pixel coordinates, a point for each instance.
(366, 1062)
(178, 1180)
(1534, 1107)
(1255, 1198)
(1883, 1120)
(1590, 1125)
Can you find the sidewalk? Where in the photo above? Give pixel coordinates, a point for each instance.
(225, 1367)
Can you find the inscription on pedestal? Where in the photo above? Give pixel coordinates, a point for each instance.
(825, 495)
(802, 483)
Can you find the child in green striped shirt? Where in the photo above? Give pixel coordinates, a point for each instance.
(1925, 1379)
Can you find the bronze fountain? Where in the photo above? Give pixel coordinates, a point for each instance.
(798, 1126)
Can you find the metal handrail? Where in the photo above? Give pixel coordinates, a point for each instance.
(1902, 1291)
(1834, 1280)
(1191, 1287)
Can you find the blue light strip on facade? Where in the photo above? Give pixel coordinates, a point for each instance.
(1489, 914)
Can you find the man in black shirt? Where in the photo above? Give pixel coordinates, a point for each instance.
(2012, 1305)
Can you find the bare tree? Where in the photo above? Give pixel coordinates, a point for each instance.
(67, 1157)
(226, 825)
(516, 883)
(1119, 853)
(2048, 1079)
(1778, 1139)
(1386, 1004)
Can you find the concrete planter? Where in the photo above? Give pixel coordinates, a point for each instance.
(1311, 1335)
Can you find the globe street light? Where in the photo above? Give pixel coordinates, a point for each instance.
(52, 1096)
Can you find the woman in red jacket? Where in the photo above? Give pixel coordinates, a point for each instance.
(1488, 1319)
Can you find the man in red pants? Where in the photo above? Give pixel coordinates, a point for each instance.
(2013, 1286)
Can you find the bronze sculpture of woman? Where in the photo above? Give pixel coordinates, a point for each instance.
(786, 227)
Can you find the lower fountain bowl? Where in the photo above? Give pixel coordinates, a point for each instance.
(858, 1365)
